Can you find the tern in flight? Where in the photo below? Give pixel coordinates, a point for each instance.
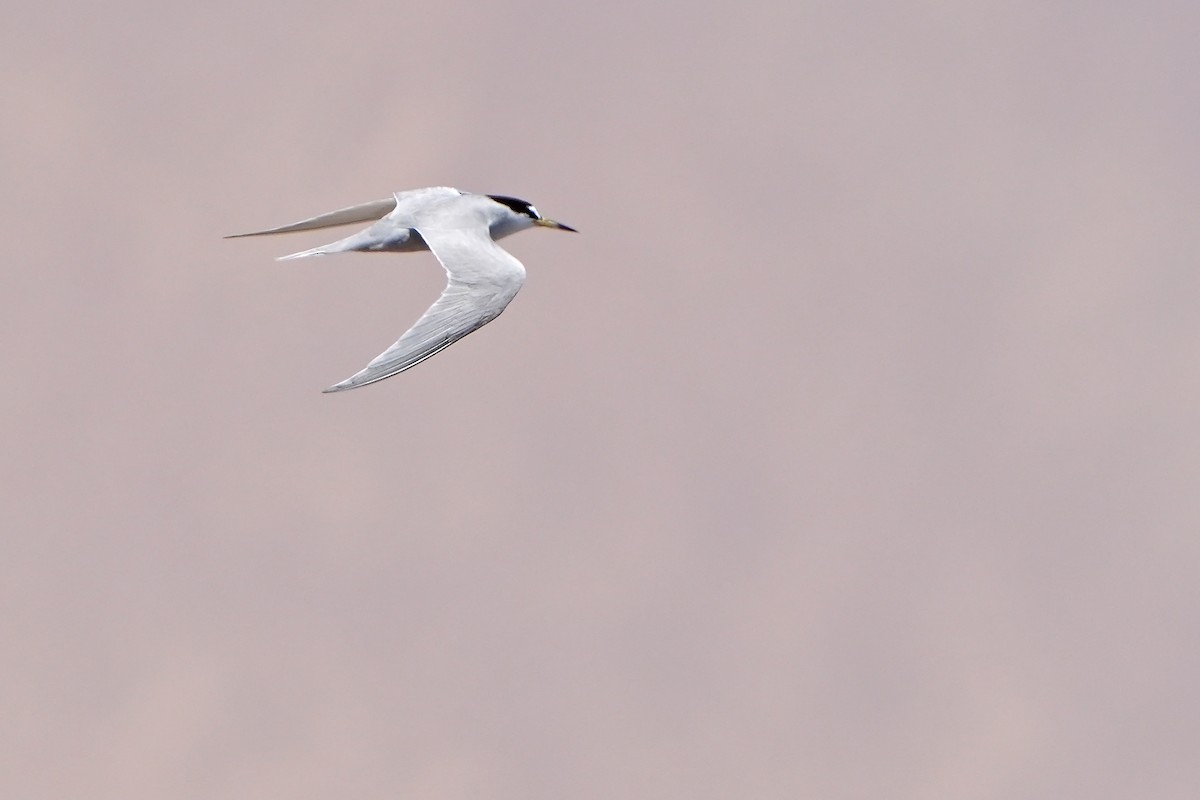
(461, 229)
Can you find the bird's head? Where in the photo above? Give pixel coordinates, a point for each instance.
(521, 208)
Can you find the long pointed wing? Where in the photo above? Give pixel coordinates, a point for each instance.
(483, 279)
(364, 212)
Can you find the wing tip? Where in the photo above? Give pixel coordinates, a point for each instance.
(353, 382)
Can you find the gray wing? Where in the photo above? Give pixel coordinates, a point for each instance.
(483, 279)
(364, 212)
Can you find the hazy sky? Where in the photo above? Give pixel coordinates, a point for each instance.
(851, 450)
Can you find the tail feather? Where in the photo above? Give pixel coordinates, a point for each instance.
(377, 238)
(358, 241)
(316, 251)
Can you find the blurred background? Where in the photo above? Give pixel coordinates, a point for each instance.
(849, 451)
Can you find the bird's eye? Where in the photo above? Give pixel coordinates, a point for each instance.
(533, 212)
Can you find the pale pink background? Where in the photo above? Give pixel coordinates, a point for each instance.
(850, 451)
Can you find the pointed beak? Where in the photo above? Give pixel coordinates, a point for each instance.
(549, 223)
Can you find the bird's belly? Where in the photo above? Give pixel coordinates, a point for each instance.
(405, 240)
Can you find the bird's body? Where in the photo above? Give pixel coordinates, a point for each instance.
(460, 228)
